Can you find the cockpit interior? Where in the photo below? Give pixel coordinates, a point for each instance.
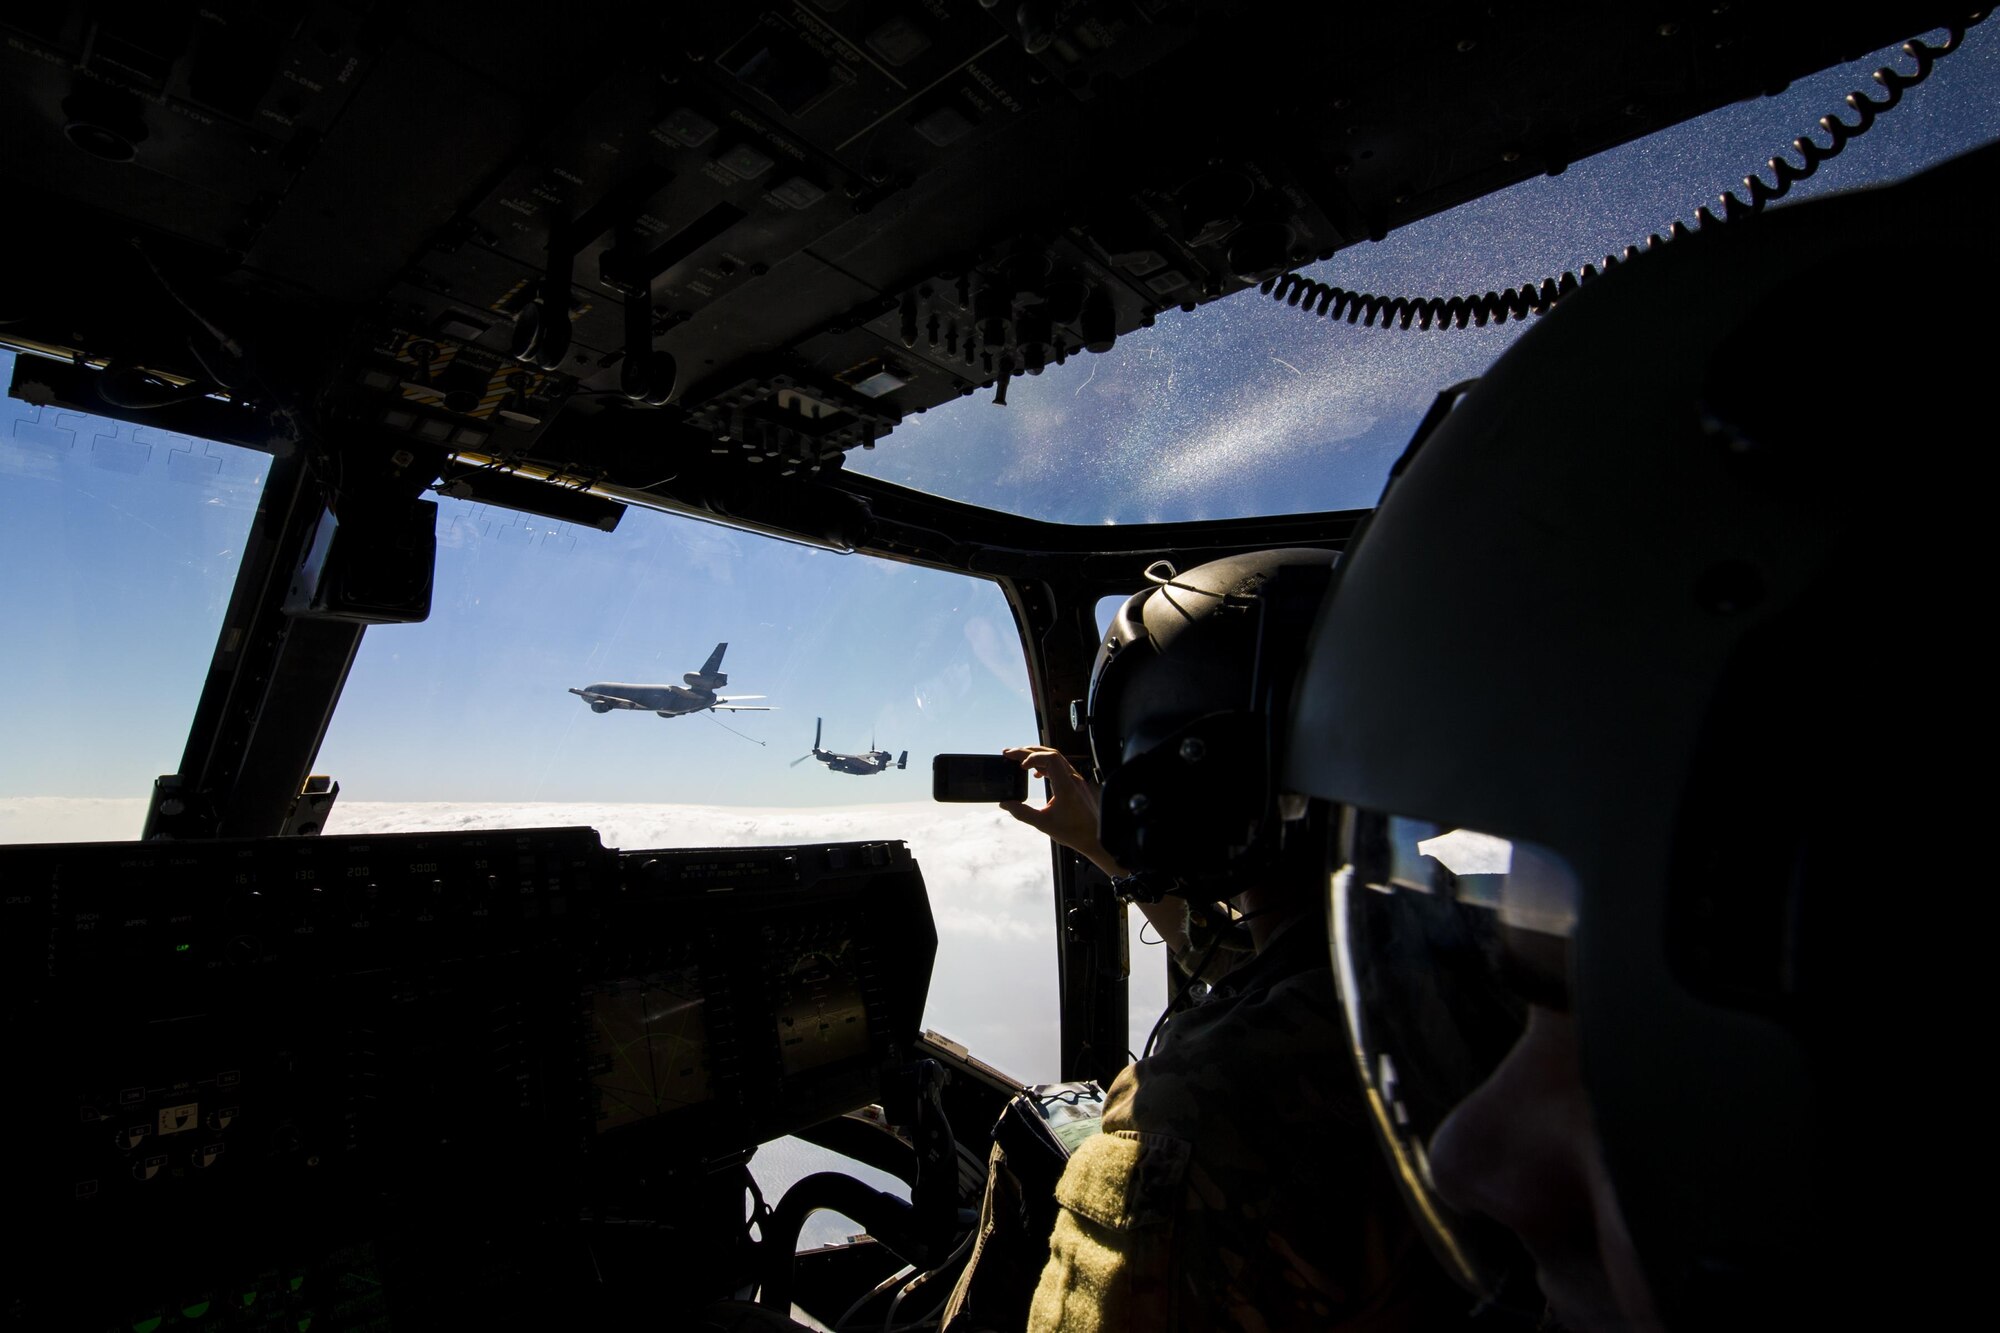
(379, 375)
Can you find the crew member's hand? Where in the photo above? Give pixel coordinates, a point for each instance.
(1070, 816)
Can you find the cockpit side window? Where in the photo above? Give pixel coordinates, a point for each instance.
(120, 546)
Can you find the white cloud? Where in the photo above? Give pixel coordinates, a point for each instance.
(71, 818)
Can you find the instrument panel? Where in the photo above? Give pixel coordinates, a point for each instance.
(285, 1050)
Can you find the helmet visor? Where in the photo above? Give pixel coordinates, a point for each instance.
(1442, 938)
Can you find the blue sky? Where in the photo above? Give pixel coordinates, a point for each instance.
(120, 546)
(121, 542)
(129, 539)
(473, 704)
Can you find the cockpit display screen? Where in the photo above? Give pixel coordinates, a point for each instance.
(649, 1047)
(821, 1017)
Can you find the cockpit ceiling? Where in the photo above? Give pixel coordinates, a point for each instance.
(706, 251)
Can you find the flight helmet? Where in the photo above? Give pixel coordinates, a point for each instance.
(1637, 668)
(1180, 711)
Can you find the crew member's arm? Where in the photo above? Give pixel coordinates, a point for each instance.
(1070, 818)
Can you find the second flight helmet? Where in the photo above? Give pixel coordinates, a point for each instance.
(1648, 694)
(1181, 709)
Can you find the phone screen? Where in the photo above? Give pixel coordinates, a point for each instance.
(978, 777)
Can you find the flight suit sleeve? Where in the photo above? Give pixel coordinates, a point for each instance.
(1109, 1262)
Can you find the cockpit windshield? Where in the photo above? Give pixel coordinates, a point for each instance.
(122, 545)
(1246, 406)
(677, 683)
(672, 683)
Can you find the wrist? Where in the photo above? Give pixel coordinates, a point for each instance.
(1144, 886)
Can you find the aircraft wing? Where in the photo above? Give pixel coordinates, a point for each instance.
(742, 708)
(589, 697)
(732, 698)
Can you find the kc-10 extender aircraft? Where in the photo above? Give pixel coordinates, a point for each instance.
(698, 695)
(873, 761)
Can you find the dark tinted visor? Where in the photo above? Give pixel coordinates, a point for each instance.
(1442, 938)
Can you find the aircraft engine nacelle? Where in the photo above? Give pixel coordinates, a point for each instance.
(706, 680)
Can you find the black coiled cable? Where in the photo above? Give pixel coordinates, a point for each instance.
(1325, 300)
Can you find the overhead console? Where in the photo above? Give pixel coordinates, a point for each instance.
(306, 1055)
(726, 245)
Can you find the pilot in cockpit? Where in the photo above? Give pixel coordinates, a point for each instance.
(1214, 1198)
(1641, 981)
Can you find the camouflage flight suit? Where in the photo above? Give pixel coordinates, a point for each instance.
(1237, 1183)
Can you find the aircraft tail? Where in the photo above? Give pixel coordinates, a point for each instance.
(816, 726)
(710, 676)
(903, 760)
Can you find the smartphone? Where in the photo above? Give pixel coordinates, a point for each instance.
(978, 777)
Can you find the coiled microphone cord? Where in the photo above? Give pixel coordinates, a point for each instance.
(1323, 300)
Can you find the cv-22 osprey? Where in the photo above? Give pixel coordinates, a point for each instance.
(874, 761)
(696, 696)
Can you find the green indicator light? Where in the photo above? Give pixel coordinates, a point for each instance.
(249, 1298)
(305, 1324)
(298, 1281)
(146, 1325)
(195, 1311)
(182, 948)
